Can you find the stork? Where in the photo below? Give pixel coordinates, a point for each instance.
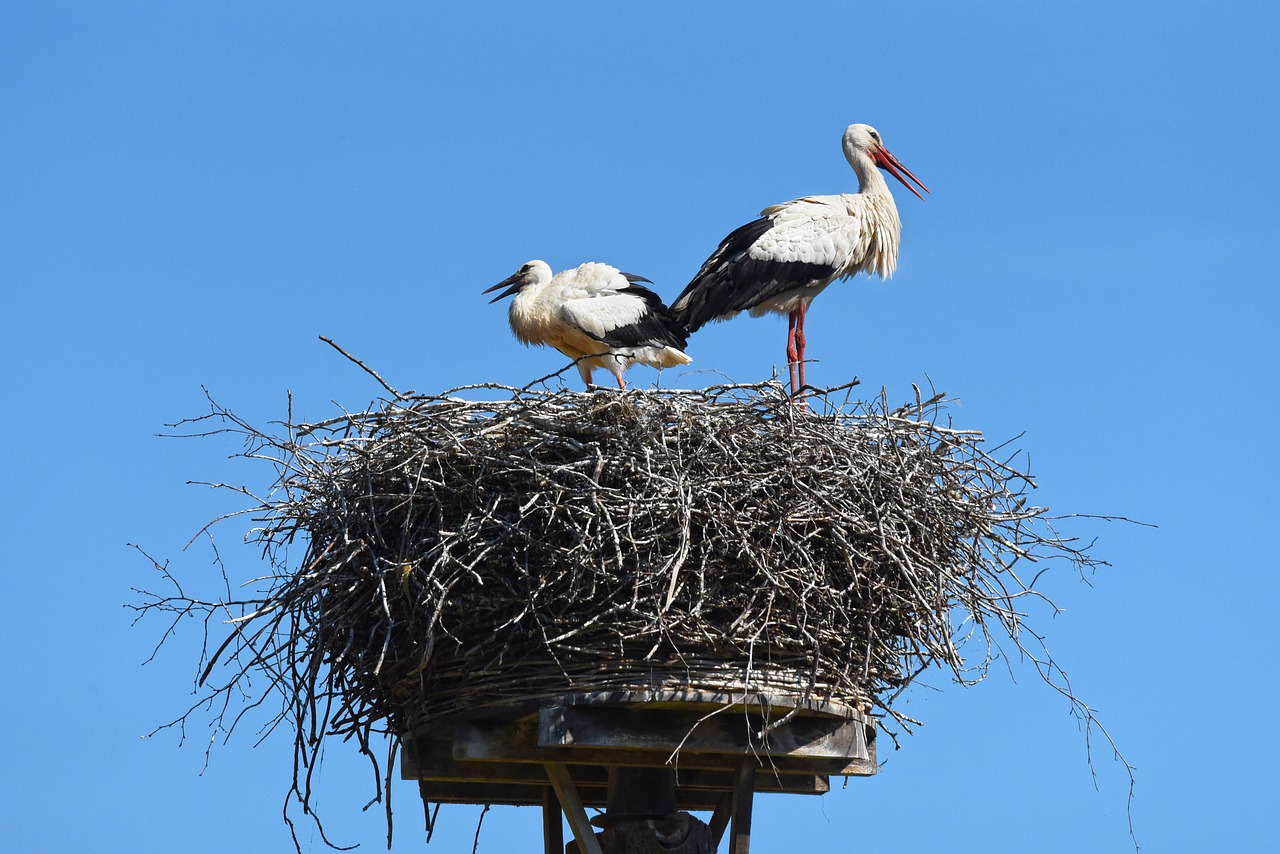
(781, 261)
(596, 315)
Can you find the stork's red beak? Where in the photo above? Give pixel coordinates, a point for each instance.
(890, 164)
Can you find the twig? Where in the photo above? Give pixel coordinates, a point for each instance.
(368, 370)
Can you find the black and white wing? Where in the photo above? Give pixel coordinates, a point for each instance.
(625, 315)
(793, 248)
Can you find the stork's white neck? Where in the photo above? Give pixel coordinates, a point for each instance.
(870, 179)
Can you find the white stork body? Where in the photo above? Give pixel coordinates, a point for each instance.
(596, 315)
(780, 262)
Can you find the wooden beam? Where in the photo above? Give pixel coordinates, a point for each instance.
(517, 741)
(567, 793)
(743, 795)
(691, 732)
(530, 794)
(434, 761)
(510, 794)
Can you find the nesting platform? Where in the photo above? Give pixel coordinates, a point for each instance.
(565, 755)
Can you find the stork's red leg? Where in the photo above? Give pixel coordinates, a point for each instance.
(793, 356)
(622, 384)
(800, 340)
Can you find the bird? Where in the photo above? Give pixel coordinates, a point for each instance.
(596, 315)
(781, 261)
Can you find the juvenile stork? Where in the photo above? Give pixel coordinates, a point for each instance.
(781, 261)
(596, 315)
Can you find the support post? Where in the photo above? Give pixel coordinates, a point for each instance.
(720, 819)
(567, 794)
(552, 823)
(743, 794)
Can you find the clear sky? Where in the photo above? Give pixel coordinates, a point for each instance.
(190, 196)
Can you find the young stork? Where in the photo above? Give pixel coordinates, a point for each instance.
(780, 262)
(596, 315)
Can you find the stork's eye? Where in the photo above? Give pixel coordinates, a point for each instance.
(875, 136)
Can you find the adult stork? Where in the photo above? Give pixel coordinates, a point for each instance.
(781, 261)
(596, 315)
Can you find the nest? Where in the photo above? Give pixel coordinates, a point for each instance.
(463, 554)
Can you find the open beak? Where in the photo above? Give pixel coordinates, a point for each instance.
(890, 164)
(516, 282)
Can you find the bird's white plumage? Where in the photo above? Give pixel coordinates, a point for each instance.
(845, 234)
(596, 315)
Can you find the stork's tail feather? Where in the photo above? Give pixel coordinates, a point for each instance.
(692, 310)
(671, 357)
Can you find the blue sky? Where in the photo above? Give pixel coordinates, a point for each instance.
(190, 196)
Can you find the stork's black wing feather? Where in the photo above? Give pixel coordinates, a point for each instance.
(655, 327)
(731, 280)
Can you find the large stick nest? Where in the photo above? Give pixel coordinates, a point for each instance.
(464, 553)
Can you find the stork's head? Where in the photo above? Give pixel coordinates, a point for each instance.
(532, 273)
(863, 141)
